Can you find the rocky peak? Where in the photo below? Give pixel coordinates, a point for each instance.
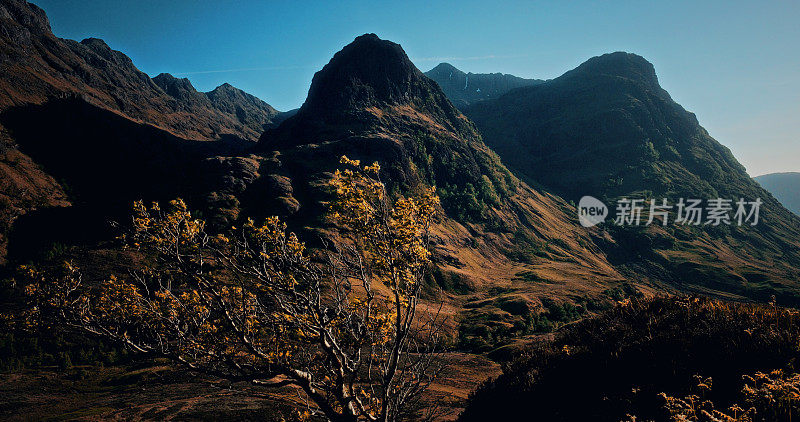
(97, 45)
(178, 88)
(368, 86)
(24, 13)
(227, 92)
(100, 48)
(369, 71)
(444, 69)
(246, 107)
(619, 64)
(225, 87)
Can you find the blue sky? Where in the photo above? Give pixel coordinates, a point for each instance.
(735, 64)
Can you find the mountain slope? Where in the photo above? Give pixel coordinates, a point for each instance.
(464, 89)
(103, 162)
(37, 66)
(370, 103)
(39, 72)
(607, 129)
(785, 187)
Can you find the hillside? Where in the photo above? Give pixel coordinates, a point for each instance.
(617, 364)
(607, 129)
(785, 187)
(507, 253)
(464, 89)
(37, 66)
(39, 71)
(369, 102)
(606, 316)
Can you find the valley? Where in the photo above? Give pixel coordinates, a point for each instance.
(518, 280)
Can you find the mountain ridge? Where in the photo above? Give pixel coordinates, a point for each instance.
(38, 66)
(464, 89)
(39, 72)
(607, 129)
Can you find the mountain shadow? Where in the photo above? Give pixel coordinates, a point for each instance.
(104, 161)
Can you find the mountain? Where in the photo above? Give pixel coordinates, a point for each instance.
(37, 66)
(607, 129)
(370, 103)
(252, 114)
(508, 243)
(114, 135)
(45, 158)
(785, 187)
(464, 89)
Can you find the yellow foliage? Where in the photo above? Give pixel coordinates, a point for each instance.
(249, 302)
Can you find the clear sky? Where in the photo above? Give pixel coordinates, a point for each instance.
(735, 64)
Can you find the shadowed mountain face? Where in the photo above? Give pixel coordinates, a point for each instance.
(785, 187)
(368, 75)
(251, 114)
(464, 89)
(38, 71)
(103, 161)
(607, 129)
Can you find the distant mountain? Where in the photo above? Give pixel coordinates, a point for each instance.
(607, 129)
(467, 88)
(45, 157)
(253, 114)
(785, 187)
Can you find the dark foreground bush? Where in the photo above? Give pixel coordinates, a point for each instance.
(617, 364)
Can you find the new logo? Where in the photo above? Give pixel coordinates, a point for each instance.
(591, 211)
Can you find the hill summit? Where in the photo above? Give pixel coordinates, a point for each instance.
(368, 74)
(619, 64)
